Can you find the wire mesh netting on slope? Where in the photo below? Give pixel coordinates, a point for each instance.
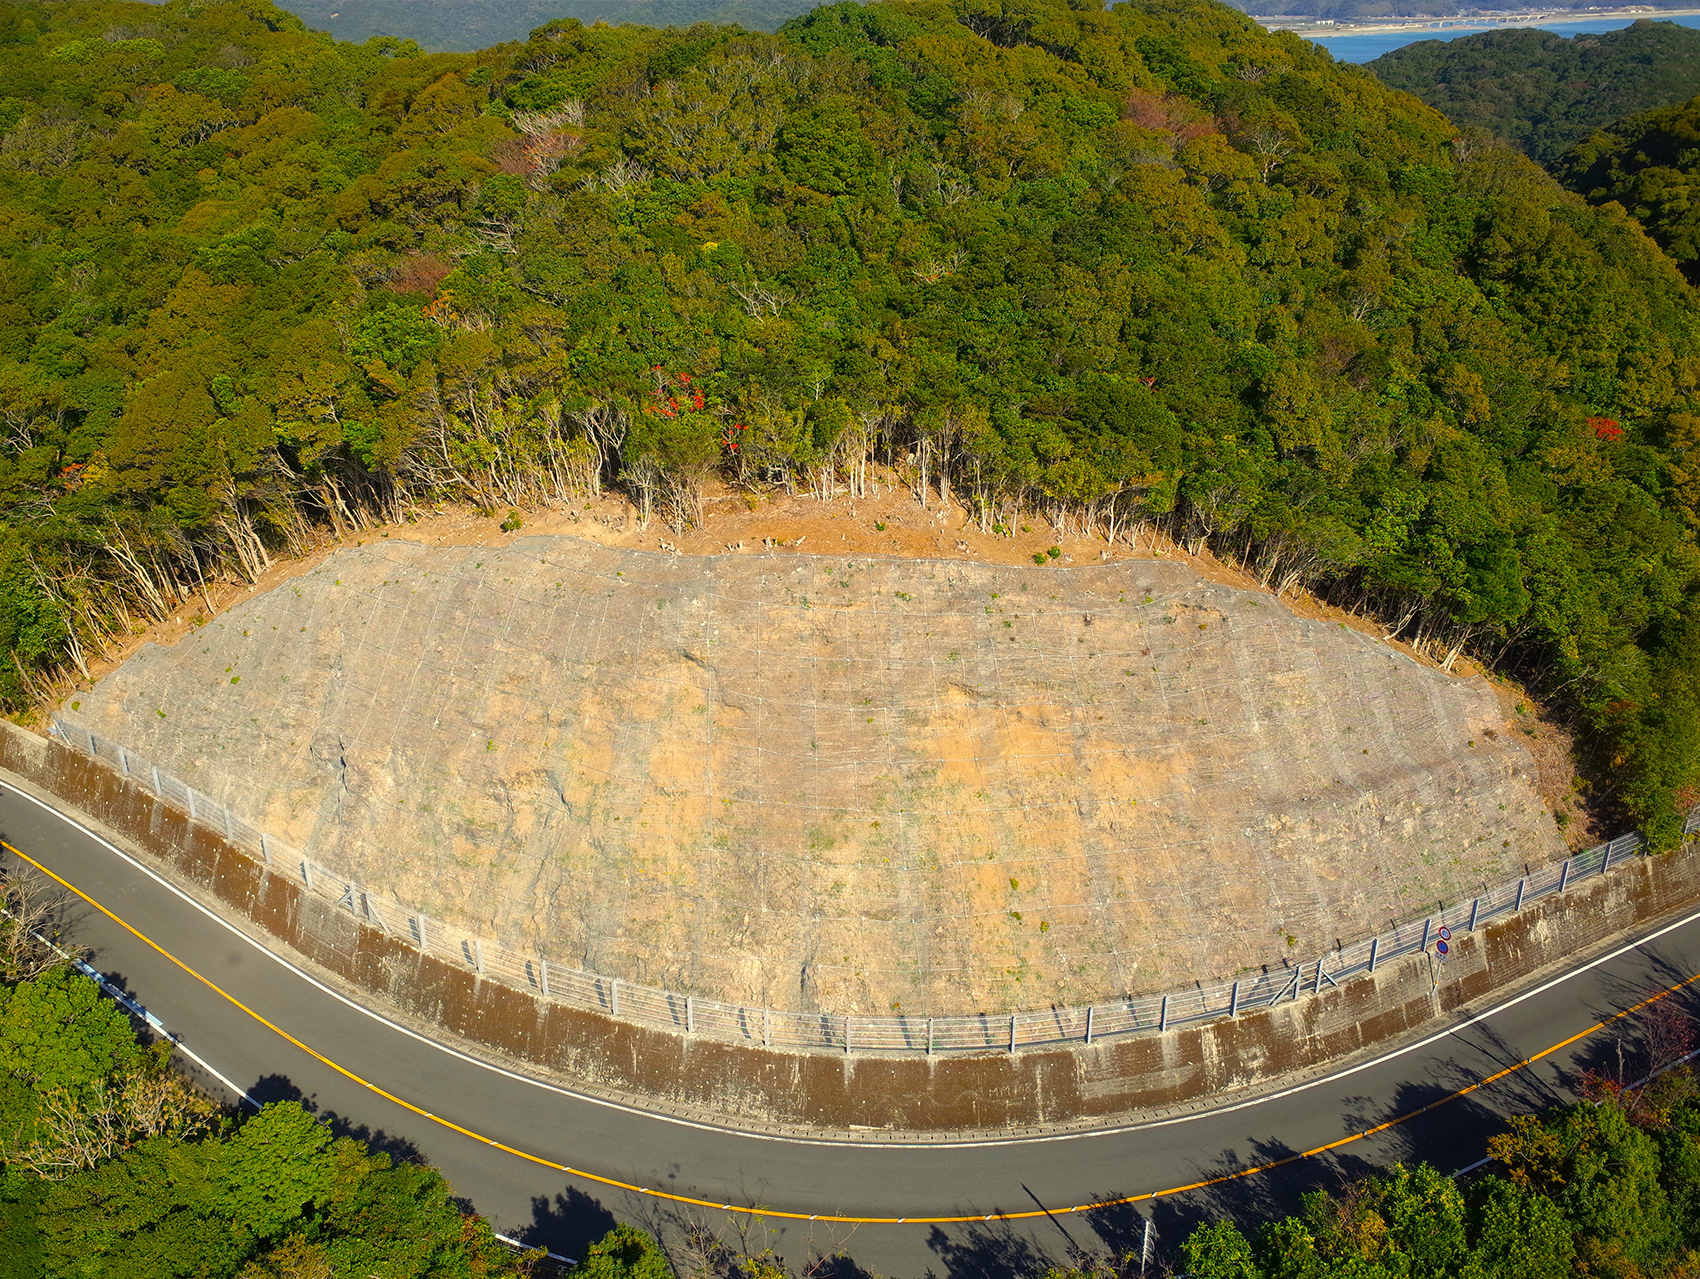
(848, 1033)
(843, 787)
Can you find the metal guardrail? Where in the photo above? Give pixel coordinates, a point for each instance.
(837, 1032)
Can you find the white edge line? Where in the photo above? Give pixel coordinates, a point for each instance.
(131, 1004)
(857, 1145)
(204, 1064)
(520, 1243)
(1669, 1065)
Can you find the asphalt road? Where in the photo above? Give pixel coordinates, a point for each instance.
(537, 1203)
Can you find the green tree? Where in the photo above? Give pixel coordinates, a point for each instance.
(623, 1253)
(1543, 91)
(1219, 1251)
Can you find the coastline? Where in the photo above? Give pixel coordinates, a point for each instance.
(1312, 30)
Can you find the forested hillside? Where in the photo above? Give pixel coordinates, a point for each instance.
(472, 24)
(1149, 264)
(1370, 10)
(1649, 164)
(1603, 1188)
(1542, 91)
(113, 1165)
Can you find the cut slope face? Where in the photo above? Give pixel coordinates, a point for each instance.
(842, 785)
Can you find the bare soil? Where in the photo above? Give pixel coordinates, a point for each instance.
(801, 759)
(893, 522)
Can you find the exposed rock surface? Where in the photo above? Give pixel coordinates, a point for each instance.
(849, 785)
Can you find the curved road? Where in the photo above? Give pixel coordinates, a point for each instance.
(1042, 1176)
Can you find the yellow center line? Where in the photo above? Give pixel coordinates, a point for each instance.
(832, 1217)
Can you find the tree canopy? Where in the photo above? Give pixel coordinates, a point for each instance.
(1650, 165)
(1608, 1186)
(1545, 92)
(471, 24)
(1141, 264)
(111, 1164)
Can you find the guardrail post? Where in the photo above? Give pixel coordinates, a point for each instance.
(137, 768)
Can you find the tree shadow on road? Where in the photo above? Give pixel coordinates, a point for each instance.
(839, 1266)
(1121, 1226)
(699, 1241)
(1453, 1132)
(1436, 1126)
(1251, 1198)
(1432, 1118)
(39, 921)
(1655, 1036)
(271, 1088)
(567, 1224)
(988, 1250)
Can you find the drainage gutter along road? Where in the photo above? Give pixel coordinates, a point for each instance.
(478, 1123)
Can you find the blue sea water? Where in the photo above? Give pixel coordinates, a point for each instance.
(1363, 48)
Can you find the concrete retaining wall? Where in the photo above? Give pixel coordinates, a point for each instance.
(1075, 1083)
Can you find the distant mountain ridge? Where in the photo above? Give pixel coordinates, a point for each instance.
(465, 25)
(1543, 92)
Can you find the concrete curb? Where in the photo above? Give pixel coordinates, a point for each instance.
(1031, 1093)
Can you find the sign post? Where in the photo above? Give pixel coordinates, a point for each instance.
(1442, 948)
